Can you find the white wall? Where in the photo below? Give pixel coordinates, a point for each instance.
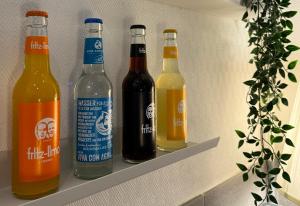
(213, 60)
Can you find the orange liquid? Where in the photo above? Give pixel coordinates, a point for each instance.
(36, 85)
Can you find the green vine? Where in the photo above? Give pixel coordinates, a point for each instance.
(268, 29)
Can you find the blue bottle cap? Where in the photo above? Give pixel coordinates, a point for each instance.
(93, 20)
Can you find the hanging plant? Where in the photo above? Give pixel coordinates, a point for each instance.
(269, 29)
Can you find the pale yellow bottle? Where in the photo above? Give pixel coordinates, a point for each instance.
(171, 99)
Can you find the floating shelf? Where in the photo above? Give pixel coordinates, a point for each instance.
(73, 189)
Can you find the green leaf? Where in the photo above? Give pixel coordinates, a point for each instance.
(285, 157)
(248, 155)
(293, 64)
(276, 185)
(256, 197)
(292, 48)
(273, 199)
(286, 33)
(256, 154)
(245, 15)
(289, 14)
(282, 73)
(249, 82)
(282, 86)
(240, 133)
(285, 101)
(242, 167)
(286, 176)
(274, 171)
(276, 130)
(260, 174)
(292, 77)
(289, 142)
(289, 24)
(245, 177)
(277, 139)
(258, 184)
(287, 127)
(266, 122)
(241, 142)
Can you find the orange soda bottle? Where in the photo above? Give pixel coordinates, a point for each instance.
(36, 117)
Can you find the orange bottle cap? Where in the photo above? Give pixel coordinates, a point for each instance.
(37, 13)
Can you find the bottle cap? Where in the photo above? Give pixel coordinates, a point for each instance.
(170, 31)
(138, 26)
(93, 20)
(37, 13)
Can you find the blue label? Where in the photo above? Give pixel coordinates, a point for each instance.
(94, 129)
(93, 51)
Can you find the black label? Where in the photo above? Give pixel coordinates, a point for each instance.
(138, 50)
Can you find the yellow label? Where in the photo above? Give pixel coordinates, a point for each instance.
(176, 114)
(170, 52)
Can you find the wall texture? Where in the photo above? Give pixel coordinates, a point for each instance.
(213, 60)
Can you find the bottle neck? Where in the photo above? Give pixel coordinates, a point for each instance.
(138, 58)
(93, 60)
(170, 56)
(36, 46)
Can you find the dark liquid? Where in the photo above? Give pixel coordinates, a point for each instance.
(138, 109)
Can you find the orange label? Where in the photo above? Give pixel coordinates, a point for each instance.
(176, 114)
(170, 52)
(38, 148)
(36, 45)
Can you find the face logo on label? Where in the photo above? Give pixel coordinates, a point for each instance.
(180, 107)
(45, 129)
(150, 111)
(98, 44)
(103, 123)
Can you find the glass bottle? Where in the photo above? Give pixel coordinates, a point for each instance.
(92, 156)
(36, 117)
(138, 103)
(171, 99)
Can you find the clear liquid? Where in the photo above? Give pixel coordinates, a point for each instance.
(169, 79)
(93, 83)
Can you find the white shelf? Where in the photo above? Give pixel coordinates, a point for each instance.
(72, 189)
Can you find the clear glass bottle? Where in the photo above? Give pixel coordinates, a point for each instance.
(92, 156)
(171, 99)
(36, 117)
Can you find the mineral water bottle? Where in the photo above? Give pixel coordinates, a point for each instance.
(92, 156)
(36, 114)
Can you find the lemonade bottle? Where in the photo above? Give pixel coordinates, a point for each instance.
(171, 99)
(36, 113)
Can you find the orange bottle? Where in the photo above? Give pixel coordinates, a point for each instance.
(36, 117)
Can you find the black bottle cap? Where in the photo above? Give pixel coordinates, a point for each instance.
(138, 26)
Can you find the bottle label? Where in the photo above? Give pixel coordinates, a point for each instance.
(138, 50)
(176, 114)
(170, 52)
(36, 45)
(38, 141)
(93, 51)
(94, 129)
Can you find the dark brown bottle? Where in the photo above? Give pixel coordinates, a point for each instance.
(138, 103)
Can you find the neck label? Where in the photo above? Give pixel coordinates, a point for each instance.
(36, 45)
(138, 50)
(170, 52)
(93, 51)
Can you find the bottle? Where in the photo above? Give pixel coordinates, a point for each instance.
(171, 99)
(93, 109)
(138, 103)
(36, 117)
